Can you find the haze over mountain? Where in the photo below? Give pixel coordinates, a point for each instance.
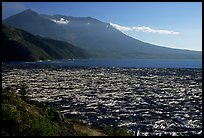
(19, 45)
(99, 38)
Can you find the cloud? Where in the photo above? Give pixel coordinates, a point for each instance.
(143, 29)
(61, 21)
(121, 28)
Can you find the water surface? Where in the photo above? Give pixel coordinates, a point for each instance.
(128, 63)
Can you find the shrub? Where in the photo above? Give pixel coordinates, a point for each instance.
(114, 132)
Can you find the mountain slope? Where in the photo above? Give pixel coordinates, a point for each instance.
(19, 45)
(99, 38)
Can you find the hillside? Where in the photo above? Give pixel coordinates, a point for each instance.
(23, 117)
(29, 118)
(19, 45)
(99, 38)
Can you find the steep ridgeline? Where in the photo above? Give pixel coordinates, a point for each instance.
(99, 38)
(19, 45)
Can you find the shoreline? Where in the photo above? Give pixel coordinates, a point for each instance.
(86, 63)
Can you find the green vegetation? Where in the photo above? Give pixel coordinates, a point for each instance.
(19, 45)
(23, 91)
(31, 118)
(117, 132)
(18, 118)
(24, 117)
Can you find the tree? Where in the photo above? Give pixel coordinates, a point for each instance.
(23, 91)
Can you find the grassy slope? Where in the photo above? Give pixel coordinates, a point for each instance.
(23, 46)
(31, 118)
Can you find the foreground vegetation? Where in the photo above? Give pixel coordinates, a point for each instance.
(23, 117)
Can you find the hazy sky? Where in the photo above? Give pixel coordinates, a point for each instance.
(170, 24)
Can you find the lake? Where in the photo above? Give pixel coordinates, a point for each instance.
(127, 63)
(151, 101)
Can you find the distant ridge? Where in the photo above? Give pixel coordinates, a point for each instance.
(18, 45)
(100, 39)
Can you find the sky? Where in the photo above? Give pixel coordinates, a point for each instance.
(169, 24)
